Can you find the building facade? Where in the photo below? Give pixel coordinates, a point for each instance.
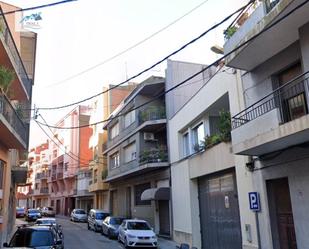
(101, 109)
(209, 184)
(15, 96)
(70, 156)
(138, 168)
(273, 127)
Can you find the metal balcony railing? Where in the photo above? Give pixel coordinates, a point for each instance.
(59, 175)
(151, 113)
(290, 99)
(9, 41)
(11, 116)
(270, 4)
(42, 175)
(153, 156)
(44, 190)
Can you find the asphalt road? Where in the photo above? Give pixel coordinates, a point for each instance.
(76, 235)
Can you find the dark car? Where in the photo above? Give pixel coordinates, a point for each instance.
(20, 212)
(32, 215)
(37, 237)
(49, 222)
(95, 219)
(111, 225)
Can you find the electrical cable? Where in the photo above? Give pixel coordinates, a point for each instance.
(36, 7)
(194, 75)
(150, 67)
(129, 48)
(70, 152)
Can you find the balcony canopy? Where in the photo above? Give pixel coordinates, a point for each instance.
(157, 194)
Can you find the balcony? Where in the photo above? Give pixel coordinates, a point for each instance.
(10, 47)
(14, 132)
(41, 176)
(285, 113)
(54, 177)
(19, 174)
(60, 175)
(279, 37)
(151, 117)
(153, 156)
(44, 190)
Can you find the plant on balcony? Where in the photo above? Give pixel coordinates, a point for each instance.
(152, 112)
(6, 78)
(158, 154)
(104, 174)
(229, 32)
(225, 126)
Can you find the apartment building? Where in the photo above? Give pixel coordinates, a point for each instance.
(70, 156)
(272, 129)
(138, 168)
(39, 158)
(15, 95)
(209, 184)
(100, 110)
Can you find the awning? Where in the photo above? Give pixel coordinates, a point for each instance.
(156, 194)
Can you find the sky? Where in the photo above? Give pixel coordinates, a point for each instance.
(80, 34)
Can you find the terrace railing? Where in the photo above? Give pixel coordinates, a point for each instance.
(290, 99)
(11, 116)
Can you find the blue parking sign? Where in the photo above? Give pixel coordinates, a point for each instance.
(254, 201)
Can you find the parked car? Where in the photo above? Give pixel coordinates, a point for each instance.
(49, 222)
(37, 237)
(95, 219)
(136, 233)
(78, 215)
(48, 212)
(110, 226)
(32, 214)
(20, 212)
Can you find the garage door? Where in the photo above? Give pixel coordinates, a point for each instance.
(219, 212)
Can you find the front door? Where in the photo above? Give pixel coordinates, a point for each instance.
(164, 217)
(281, 214)
(129, 202)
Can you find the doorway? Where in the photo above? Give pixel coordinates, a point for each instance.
(281, 214)
(164, 217)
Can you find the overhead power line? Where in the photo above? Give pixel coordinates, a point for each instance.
(152, 66)
(36, 7)
(199, 72)
(129, 48)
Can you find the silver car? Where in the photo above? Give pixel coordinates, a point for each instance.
(111, 225)
(95, 219)
(78, 215)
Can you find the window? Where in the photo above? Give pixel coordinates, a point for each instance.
(198, 133)
(114, 160)
(138, 190)
(186, 147)
(1, 173)
(129, 118)
(115, 130)
(130, 152)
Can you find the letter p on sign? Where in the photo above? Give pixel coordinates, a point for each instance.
(254, 201)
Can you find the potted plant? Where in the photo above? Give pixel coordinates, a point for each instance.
(6, 78)
(229, 32)
(225, 126)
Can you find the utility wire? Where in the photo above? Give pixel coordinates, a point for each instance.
(199, 72)
(151, 67)
(36, 7)
(80, 164)
(69, 152)
(129, 48)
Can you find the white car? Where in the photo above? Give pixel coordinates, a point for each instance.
(137, 233)
(48, 211)
(78, 215)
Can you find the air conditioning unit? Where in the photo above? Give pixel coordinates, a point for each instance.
(149, 136)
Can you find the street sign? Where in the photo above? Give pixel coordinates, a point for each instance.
(254, 201)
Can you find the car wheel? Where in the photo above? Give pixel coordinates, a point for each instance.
(126, 243)
(109, 234)
(88, 226)
(118, 238)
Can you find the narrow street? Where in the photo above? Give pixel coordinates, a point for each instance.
(76, 235)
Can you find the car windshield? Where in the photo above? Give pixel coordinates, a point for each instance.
(101, 216)
(33, 211)
(116, 221)
(45, 222)
(80, 212)
(19, 209)
(138, 226)
(31, 238)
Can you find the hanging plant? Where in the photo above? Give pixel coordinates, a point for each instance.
(229, 32)
(6, 78)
